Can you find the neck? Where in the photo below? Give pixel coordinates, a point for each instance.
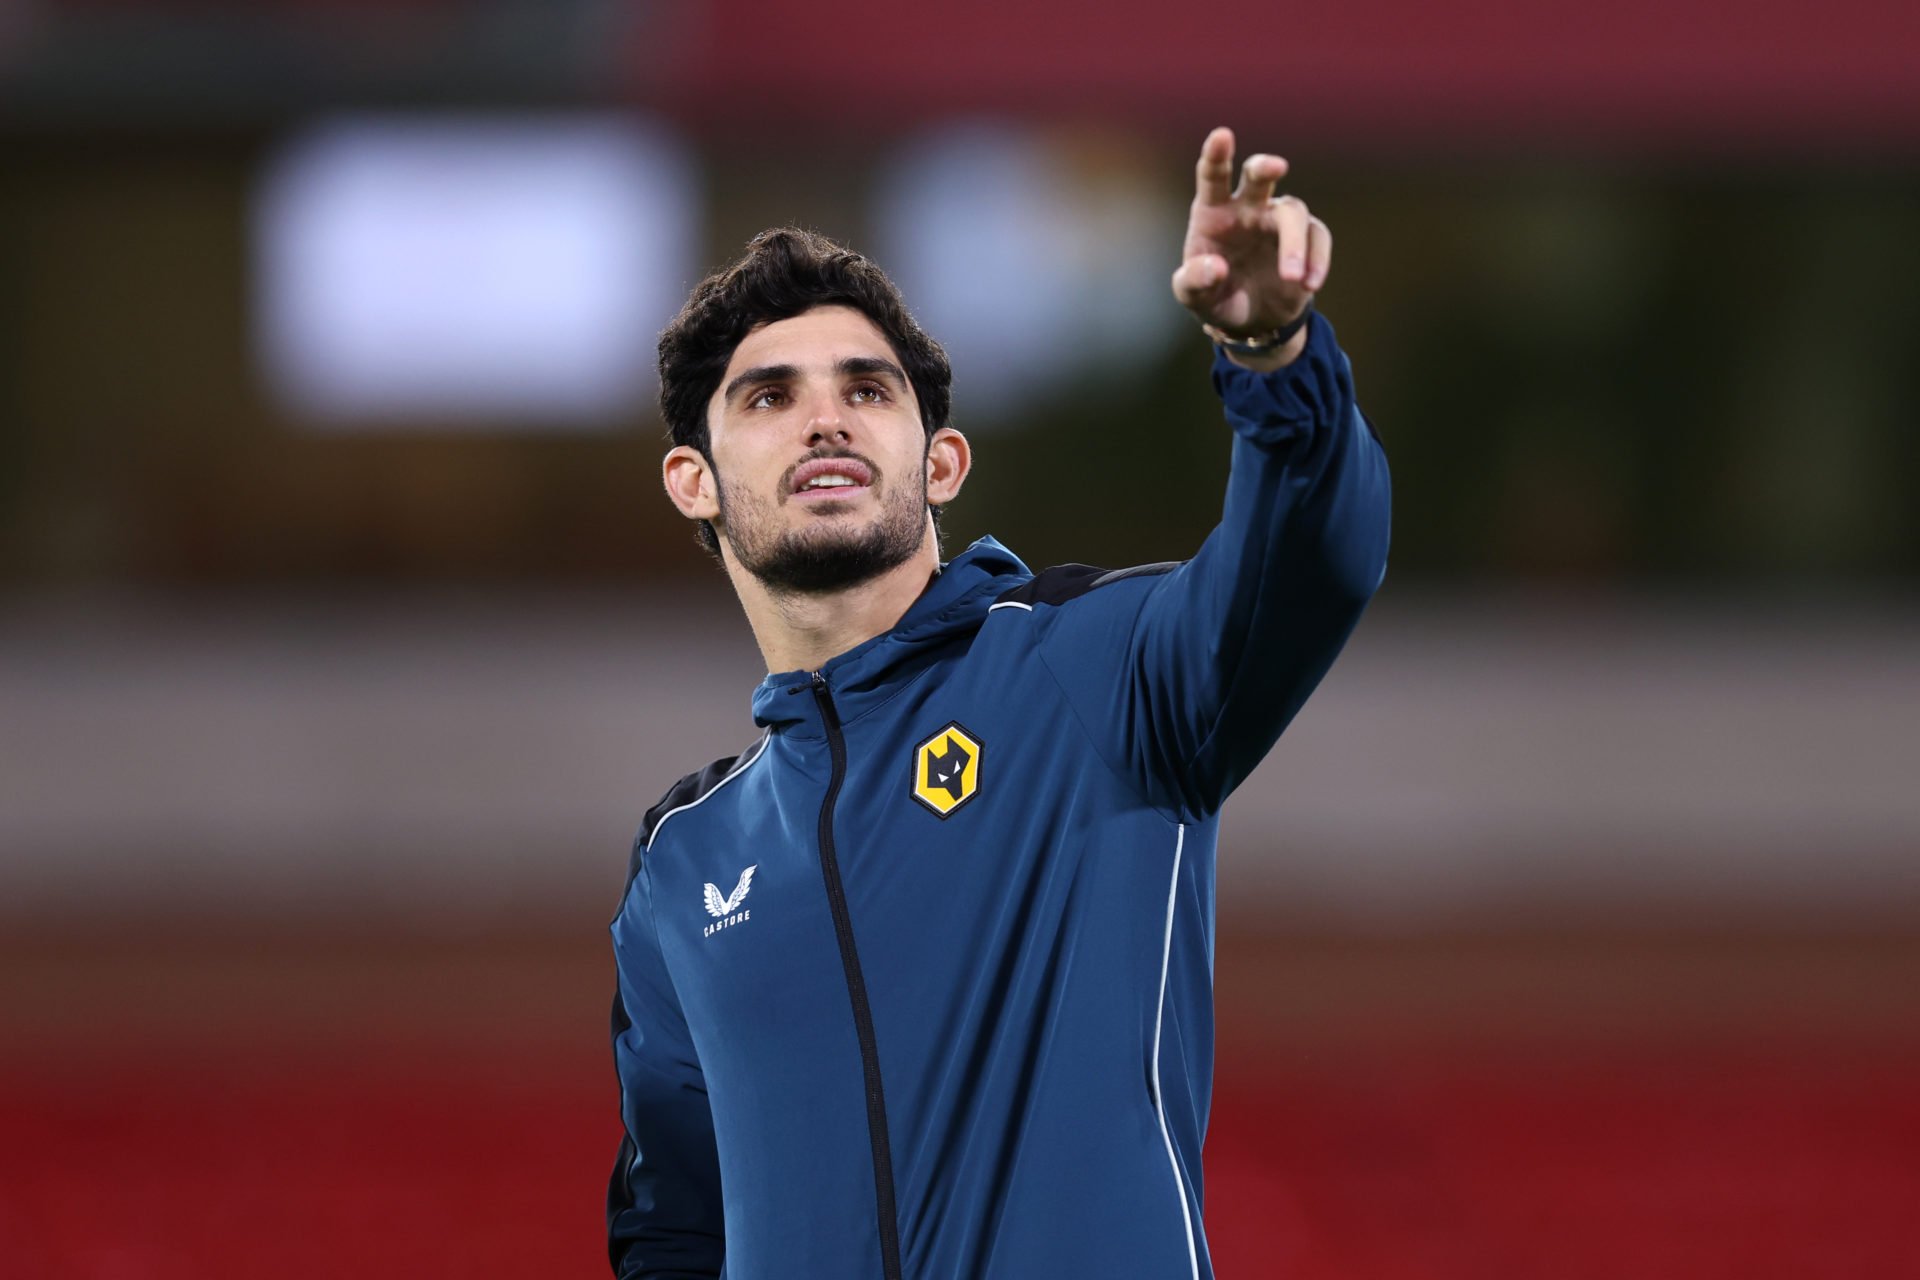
(801, 632)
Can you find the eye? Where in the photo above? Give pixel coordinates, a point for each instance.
(874, 389)
(766, 399)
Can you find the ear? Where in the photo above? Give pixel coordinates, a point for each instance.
(690, 483)
(949, 458)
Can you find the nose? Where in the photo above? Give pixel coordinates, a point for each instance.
(826, 422)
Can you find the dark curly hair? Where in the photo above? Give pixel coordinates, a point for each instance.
(784, 272)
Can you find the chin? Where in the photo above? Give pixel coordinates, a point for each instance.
(837, 522)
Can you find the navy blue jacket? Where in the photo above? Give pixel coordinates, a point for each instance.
(920, 984)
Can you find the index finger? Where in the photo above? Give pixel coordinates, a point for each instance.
(1213, 176)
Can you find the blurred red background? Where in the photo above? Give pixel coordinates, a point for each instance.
(320, 1108)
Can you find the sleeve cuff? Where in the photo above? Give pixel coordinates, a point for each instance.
(1288, 404)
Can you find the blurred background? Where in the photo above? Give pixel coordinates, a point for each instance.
(345, 635)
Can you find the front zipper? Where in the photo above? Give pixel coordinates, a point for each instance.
(857, 990)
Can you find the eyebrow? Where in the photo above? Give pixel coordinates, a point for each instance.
(850, 367)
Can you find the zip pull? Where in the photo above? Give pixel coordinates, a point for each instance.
(823, 698)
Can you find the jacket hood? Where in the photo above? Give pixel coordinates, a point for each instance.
(955, 601)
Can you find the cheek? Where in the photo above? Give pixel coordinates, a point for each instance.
(740, 469)
(739, 489)
(906, 459)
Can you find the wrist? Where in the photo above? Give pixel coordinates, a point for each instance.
(1264, 352)
(1267, 362)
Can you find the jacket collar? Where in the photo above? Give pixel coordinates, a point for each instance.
(866, 675)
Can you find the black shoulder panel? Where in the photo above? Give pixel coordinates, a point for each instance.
(682, 793)
(1066, 582)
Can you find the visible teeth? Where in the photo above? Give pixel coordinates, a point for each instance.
(830, 482)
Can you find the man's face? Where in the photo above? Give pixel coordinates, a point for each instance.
(819, 455)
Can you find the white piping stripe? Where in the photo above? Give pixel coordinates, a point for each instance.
(1010, 604)
(1159, 1108)
(733, 773)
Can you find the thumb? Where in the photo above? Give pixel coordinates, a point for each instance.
(1196, 280)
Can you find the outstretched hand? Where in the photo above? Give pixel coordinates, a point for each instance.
(1252, 260)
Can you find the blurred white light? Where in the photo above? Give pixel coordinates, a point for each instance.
(470, 272)
(1033, 264)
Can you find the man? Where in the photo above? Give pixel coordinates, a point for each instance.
(920, 985)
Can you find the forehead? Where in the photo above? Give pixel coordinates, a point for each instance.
(813, 340)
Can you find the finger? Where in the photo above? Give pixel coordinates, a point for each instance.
(1213, 178)
(1258, 177)
(1290, 218)
(1197, 279)
(1319, 253)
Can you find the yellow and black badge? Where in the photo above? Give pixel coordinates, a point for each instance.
(946, 769)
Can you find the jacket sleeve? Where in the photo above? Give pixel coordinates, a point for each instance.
(663, 1201)
(1186, 678)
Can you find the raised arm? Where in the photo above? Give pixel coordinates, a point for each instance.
(1185, 678)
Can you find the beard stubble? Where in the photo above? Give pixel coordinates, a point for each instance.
(827, 556)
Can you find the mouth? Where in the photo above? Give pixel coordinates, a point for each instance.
(826, 494)
(821, 480)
